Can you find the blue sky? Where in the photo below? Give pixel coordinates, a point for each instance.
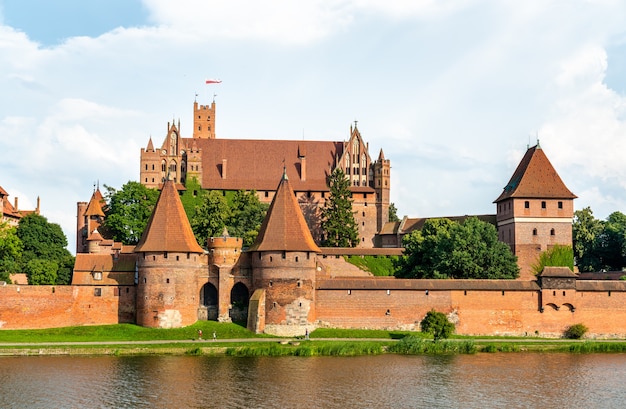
(452, 91)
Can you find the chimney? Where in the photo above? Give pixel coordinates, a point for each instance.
(38, 203)
(15, 205)
(303, 169)
(224, 161)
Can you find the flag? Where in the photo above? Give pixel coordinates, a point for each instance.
(213, 81)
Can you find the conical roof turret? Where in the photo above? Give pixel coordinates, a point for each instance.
(284, 227)
(168, 229)
(94, 208)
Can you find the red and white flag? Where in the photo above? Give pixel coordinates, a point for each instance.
(213, 81)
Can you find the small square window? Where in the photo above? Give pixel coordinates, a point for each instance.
(560, 204)
(543, 205)
(526, 204)
(97, 292)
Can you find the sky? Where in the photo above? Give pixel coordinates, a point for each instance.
(453, 91)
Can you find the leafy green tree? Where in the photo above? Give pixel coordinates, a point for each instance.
(437, 324)
(45, 241)
(41, 272)
(393, 213)
(192, 196)
(245, 216)
(127, 211)
(338, 225)
(11, 248)
(209, 217)
(586, 231)
(611, 244)
(557, 256)
(447, 249)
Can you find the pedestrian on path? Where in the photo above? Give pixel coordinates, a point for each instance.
(214, 336)
(200, 334)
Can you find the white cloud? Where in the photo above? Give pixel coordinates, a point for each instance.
(450, 90)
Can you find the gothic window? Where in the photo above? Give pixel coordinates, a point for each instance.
(163, 166)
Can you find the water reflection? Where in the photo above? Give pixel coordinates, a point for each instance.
(516, 380)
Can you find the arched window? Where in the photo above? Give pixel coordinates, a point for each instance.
(534, 232)
(552, 232)
(163, 166)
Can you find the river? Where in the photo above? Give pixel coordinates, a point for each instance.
(501, 380)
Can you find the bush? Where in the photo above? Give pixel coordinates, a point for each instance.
(576, 331)
(437, 324)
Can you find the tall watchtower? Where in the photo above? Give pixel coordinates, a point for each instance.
(169, 264)
(204, 121)
(283, 259)
(535, 210)
(382, 185)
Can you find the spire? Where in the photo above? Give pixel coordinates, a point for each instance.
(168, 228)
(284, 227)
(150, 147)
(381, 155)
(94, 208)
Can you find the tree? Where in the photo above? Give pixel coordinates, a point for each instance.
(437, 324)
(338, 225)
(245, 216)
(45, 241)
(447, 249)
(557, 256)
(209, 217)
(11, 248)
(393, 213)
(127, 211)
(586, 231)
(41, 272)
(611, 244)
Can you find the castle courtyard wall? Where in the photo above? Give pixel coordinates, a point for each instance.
(34, 307)
(505, 312)
(375, 303)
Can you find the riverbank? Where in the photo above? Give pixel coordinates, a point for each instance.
(212, 338)
(317, 347)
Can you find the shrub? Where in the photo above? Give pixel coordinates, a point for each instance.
(576, 331)
(437, 324)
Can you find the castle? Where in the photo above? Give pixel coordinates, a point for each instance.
(252, 165)
(11, 213)
(285, 284)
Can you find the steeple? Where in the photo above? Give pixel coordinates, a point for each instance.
(94, 208)
(284, 227)
(168, 229)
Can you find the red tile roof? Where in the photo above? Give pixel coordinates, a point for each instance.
(168, 228)
(535, 177)
(234, 164)
(94, 208)
(284, 227)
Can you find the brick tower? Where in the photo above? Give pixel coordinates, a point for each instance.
(204, 121)
(283, 259)
(382, 185)
(89, 217)
(535, 210)
(169, 265)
